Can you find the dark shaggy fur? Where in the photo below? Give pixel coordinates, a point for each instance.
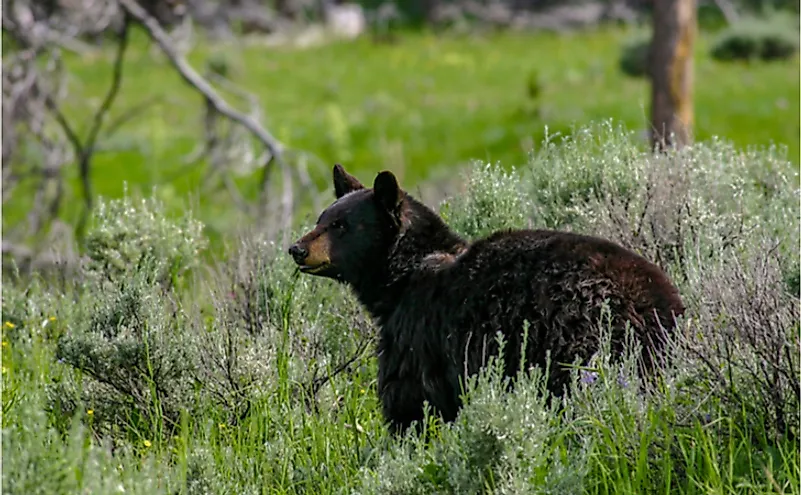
(440, 300)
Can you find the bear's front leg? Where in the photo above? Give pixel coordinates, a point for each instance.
(401, 402)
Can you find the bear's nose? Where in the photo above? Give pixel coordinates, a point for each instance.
(298, 253)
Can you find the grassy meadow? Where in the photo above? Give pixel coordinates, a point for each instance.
(421, 106)
(158, 368)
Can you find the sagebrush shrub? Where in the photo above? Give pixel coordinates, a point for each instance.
(129, 236)
(570, 170)
(132, 345)
(38, 458)
(147, 355)
(272, 327)
(743, 339)
(492, 200)
(127, 334)
(701, 200)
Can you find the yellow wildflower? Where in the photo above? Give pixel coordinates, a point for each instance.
(147, 443)
(5, 343)
(8, 324)
(52, 318)
(221, 425)
(90, 412)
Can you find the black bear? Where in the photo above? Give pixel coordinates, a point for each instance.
(439, 300)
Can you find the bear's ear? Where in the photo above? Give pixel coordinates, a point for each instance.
(387, 193)
(344, 182)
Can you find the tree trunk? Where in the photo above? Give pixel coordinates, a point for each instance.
(671, 61)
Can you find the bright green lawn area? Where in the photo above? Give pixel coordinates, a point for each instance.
(422, 103)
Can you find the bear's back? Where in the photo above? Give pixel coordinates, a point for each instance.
(553, 257)
(557, 281)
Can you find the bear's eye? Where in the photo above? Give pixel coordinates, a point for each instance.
(338, 225)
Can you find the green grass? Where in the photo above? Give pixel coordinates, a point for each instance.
(421, 105)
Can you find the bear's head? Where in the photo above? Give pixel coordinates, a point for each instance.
(355, 234)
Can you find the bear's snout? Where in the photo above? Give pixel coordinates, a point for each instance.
(298, 253)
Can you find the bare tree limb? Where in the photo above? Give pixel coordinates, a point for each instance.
(62, 121)
(85, 160)
(198, 82)
(27, 83)
(234, 192)
(273, 147)
(85, 149)
(218, 145)
(306, 182)
(35, 99)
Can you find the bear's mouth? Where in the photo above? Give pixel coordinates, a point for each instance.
(314, 268)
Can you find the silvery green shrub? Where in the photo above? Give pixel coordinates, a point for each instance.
(129, 235)
(272, 326)
(492, 200)
(742, 340)
(39, 458)
(127, 335)
(703, 200)
(131, 346)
